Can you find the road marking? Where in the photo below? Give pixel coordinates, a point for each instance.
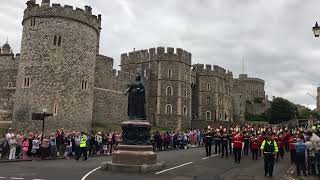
(38, 179)
(16, 178)
(172, 168)
(210, 156)
(3, 178)
(84, 177)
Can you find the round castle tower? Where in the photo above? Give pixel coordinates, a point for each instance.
(168, 84)
(56, 71)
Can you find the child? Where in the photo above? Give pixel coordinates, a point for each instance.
(25, 147)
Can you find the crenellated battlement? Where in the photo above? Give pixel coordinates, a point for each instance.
(245, 78)
(209, 70)
(159, 53)
(44, 10)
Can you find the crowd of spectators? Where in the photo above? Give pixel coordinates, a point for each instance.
(62, 144)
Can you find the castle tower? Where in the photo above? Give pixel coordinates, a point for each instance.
(6, 49)
(56, 69)
(318, 99)
(168, 84)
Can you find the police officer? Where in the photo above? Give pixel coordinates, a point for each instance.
(224, 143)
(83, 147)
(208, 142)
(270, 149)
(217, 142)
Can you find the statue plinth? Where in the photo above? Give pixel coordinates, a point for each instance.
(135, 153)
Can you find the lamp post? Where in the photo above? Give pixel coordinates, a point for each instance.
(316, 30)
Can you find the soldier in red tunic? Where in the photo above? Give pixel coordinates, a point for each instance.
(254, 142)
(237, 144)
(279, 141)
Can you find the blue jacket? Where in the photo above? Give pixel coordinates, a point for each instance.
(300, 147)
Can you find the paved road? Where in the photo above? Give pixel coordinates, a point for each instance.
(188, 165)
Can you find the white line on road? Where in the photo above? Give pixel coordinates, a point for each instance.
(38, 179)
(172, 168)
(3, 178)
(210, 156)
(16, 178)
(84, 177)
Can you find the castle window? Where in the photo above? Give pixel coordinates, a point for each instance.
(185, 110)
(208, 86)
(33, 22)
(208, 115)
(84, 85)
(215, 115)
(55, 108)
(26, 82)
(9, 84)
(220, 101)
(208, 100)
(220, 116)
(186, 93)
(169, 90)
(59, 41)
(168, 109)
(55, 40)
(169, 73)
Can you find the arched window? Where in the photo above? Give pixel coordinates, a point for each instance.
(185, 111)
(59, 41)
(208, 86)
(169, 90)
(208, 115)
(26, 82)
(168, 109)
(185, 92)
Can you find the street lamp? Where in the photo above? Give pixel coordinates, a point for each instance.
(316, 30)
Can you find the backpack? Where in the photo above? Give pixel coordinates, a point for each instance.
(300, 148)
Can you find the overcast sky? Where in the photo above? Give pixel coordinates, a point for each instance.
(273, 37)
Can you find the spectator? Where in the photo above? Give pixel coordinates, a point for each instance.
(35, 148)
(25, 148)
(12, 140)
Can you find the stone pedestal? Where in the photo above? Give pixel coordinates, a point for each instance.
(135, 153)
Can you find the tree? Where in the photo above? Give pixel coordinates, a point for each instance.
(281, 110)
(304, 113)
(315, 114)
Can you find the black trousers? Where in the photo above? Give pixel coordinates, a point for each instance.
(254, 154)
(84, 152)
(293, 156)
(301, 163)
(230, 147)
(217, 148)
(237, 154)
(225, 149)
(268, 163)
(246, 148)
(280, 153)
(208, 149)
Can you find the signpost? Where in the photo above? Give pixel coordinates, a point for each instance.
(41, 117)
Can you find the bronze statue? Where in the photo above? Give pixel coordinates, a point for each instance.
(136, 100)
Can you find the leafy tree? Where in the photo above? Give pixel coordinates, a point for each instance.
(315, 114)
(281, 110)
(304, 113)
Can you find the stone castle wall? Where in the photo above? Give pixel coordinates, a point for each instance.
(212, 90)
(8, 74)
(58, 54)
(155, 65)
(110, 102)
(245, 90)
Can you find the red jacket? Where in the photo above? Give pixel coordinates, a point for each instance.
(291, 143)
(254, 143)
(237, 141)
(280, 142)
